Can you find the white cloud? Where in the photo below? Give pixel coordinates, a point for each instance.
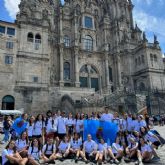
(12, 7)
(148, 2)
(150, 23)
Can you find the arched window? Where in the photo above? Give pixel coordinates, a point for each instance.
(66, 71)
(84, 69)
(30, 37)
(142, 87)
(8, 102)
(66, 41)
(38, 38)
(88, 43)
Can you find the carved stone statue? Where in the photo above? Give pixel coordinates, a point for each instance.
(45, 14)
(144, 37)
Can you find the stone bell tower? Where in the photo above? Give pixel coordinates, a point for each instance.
(37, 28)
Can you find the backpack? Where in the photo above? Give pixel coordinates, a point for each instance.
(6, 125)
(51, 148)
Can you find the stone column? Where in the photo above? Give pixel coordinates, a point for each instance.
(61, 51)
(61, 66)
(118, 70)
(107, 72)
(77, 81)
(76, 51)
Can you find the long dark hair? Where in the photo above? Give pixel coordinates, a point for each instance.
(14, 148)
(39, 144)
(27, 140)
(143, 133)
(30, 123)
(76, 116)
(37, 118)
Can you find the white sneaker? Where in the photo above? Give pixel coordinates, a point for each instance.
(2, 142)
(140, 163)
(116, 161)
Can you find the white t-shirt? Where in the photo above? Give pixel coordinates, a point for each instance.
(145, 148)
(116, 147)
(106, 117)
(76, 144)
(38, 126)
(136, 125)
(34, 153)
(63, 146)
(133, 145)
(90, 146)
(129, 124)
(70, 122)
(20, 144)
(49, 149)
(5, 153)
(51, 125)
(79, 125)
(30, 129)
(123, 125)
(143, 123)
(102, 147)
(149, 137)
(128, 138)
(61, 125)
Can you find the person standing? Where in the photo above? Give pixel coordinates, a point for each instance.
(61, 126)
(6, 128)
(106, 116)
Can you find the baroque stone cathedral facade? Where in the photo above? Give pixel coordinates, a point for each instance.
(56, 52)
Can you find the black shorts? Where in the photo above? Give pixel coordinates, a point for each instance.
(37, 136)
(70, 130)
(30, 138)
(48, 156)
(8, 163)
(89, 157)
(61, 136)
(157, 143)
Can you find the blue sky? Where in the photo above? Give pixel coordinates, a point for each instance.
(148, 14)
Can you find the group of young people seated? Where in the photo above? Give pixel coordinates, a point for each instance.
(57, 137)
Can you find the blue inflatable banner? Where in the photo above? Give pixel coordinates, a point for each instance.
(19, 125)
(100, 129)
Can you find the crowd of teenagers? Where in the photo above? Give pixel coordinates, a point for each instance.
(56, 136)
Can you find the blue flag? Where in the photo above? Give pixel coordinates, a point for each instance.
(100, 129)
(19, 125)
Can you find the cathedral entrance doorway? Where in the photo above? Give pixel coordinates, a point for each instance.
(89, 77)
(8, 103)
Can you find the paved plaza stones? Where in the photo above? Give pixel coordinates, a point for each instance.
(161, 152)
